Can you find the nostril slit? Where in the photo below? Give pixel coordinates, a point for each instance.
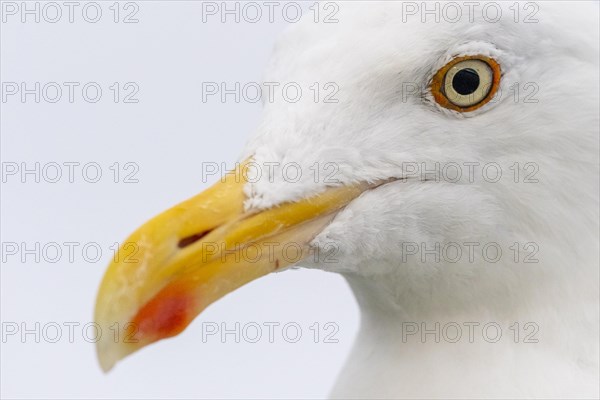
(186, 241)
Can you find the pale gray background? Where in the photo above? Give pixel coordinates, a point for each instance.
(168, 134)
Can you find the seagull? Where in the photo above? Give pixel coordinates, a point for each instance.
(448, 169)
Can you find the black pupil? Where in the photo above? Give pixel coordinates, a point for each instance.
(466, 81)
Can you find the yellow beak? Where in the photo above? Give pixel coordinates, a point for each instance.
(184, 259)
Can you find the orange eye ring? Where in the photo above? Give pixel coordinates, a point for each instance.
(444, 94)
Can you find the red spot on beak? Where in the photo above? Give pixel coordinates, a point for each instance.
(165, 315)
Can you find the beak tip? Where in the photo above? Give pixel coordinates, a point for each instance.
(106, 358)
(106, 368)
(110, 352)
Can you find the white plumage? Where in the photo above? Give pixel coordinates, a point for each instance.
(377, 128)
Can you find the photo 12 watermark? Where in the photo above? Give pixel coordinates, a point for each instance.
(69, 172)
(70, 92)
(470, 252)
(469, 332)
(253, 12)
(67, 252)
(70, 12)
(469, 11)
(269, 92)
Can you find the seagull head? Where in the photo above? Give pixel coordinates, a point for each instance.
(386, 139)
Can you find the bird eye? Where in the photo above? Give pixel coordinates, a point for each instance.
(466, 83)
